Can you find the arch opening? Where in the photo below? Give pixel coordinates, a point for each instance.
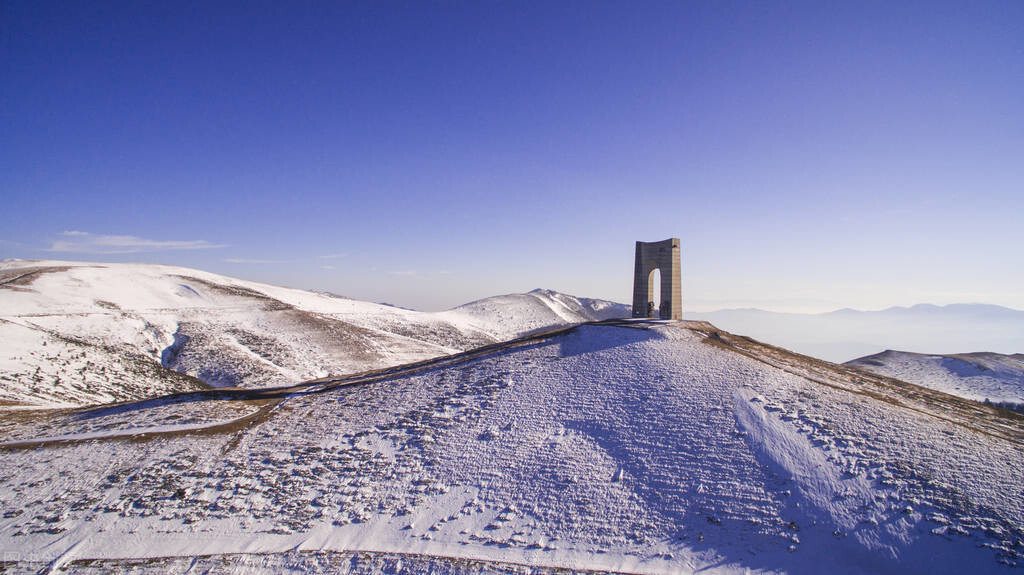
(654, 293)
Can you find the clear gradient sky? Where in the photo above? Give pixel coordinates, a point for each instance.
(810, 155)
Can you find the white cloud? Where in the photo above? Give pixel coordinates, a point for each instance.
(74, 241)
(327, 267)
(333, 256)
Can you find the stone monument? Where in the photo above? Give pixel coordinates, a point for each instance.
(664, 256)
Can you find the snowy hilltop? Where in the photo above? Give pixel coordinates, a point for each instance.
(279, 430)
(80, 333)
(987, 377)
(640, 447)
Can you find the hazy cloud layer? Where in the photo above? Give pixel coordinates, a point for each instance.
(89, 243)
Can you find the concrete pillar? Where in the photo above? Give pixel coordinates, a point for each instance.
(664, 256)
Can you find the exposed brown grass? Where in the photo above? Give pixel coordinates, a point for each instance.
(985, 419)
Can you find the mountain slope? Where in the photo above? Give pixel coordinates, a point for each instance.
(847, 334)
(671, 449)
(508, 316)
(991, 377)
(76, 333)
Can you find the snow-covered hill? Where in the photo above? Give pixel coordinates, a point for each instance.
(847, 334)
(508, 316)
(75, 333)
(991, 377)
(650, 448)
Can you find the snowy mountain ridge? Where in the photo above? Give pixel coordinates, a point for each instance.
(78, 333)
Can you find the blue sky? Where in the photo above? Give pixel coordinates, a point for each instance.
(810, 155)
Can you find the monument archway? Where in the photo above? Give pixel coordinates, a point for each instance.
(664, 257)
(654, 288)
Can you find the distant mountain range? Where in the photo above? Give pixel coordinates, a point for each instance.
(846, 334)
